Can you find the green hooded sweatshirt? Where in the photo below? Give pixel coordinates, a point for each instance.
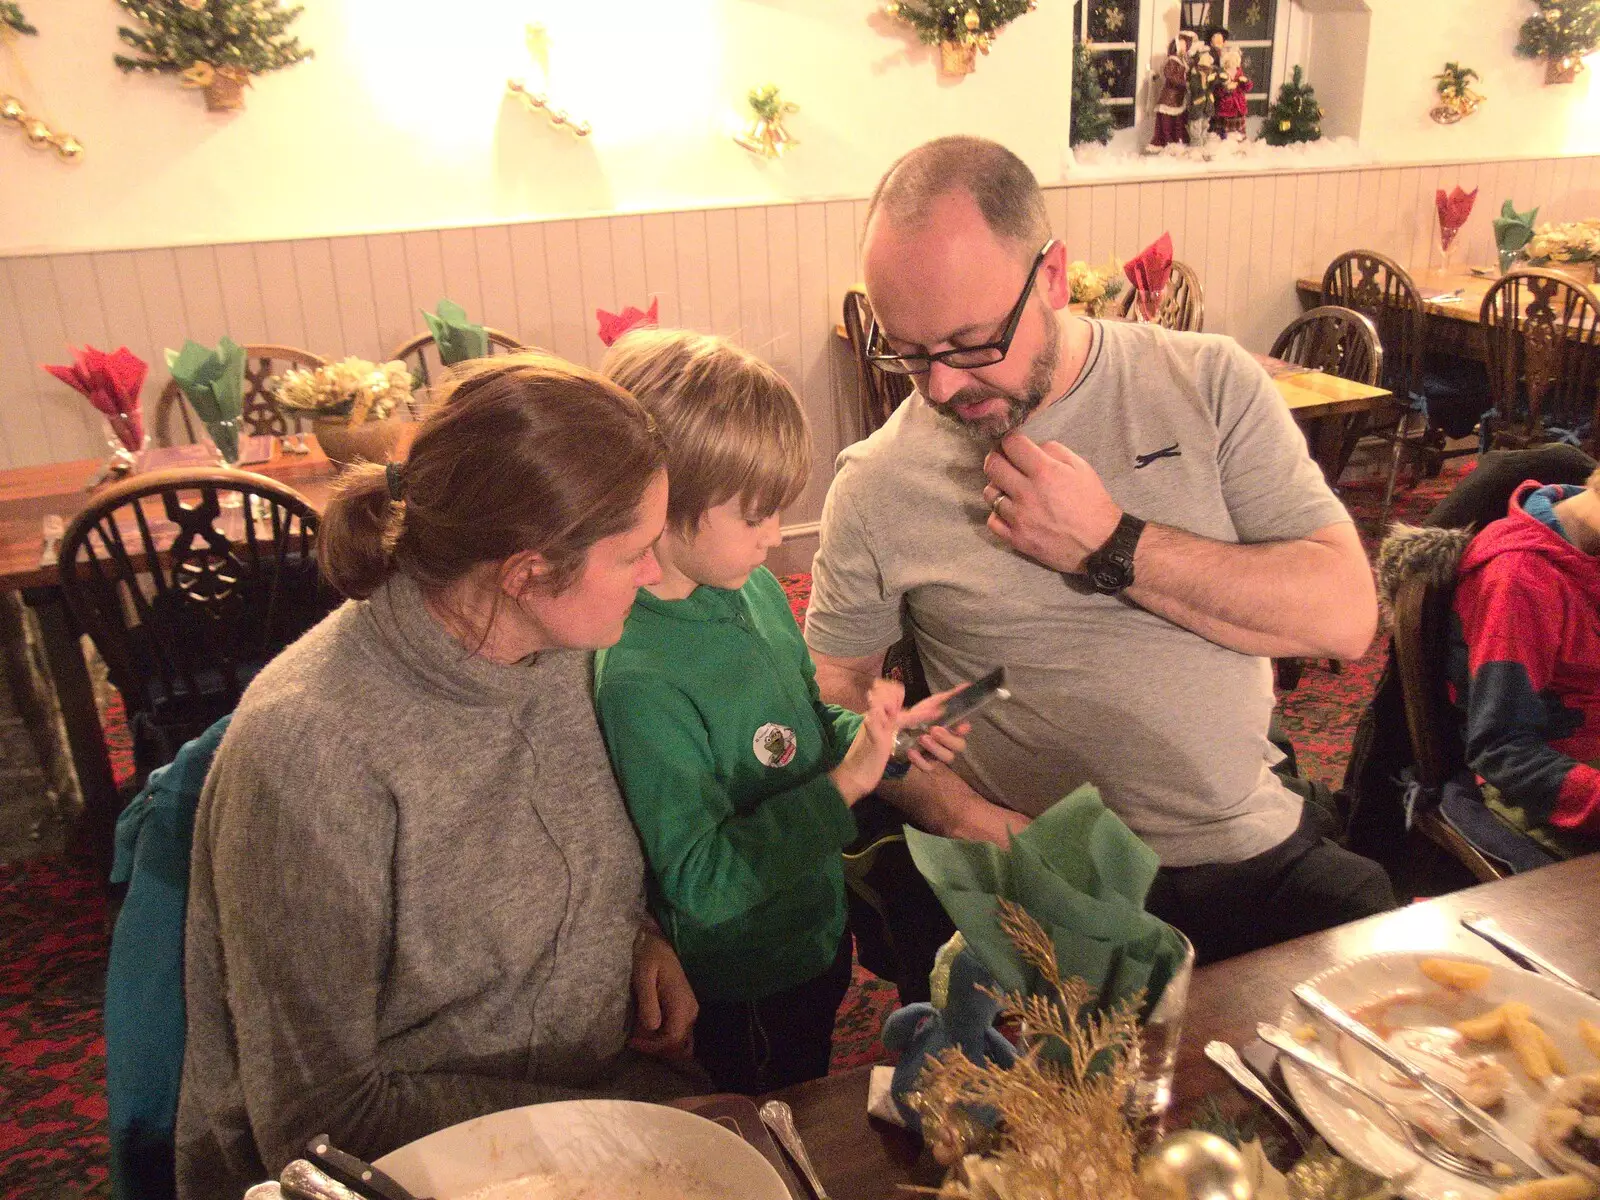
(722, 745)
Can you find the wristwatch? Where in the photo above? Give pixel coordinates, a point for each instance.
(1110, 568)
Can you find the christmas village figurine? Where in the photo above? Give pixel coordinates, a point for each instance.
(1232, 88)
(1172, 102)
(1202, 103)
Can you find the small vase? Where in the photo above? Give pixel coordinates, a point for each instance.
(370, 441)
(1508, 259)
(225, 437)
(958, 58)
(1561, 70)
(225, 92)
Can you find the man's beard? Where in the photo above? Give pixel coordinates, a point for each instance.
(1019, 405)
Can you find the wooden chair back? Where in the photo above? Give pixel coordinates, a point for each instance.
(1541, 330)
(188, 581)
(421, 357)
(261, 413)
(1381, 290)
(879, 392)
(1183, 304)
(1337, 340)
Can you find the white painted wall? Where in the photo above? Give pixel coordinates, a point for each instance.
(401, 122)
(1411, 40)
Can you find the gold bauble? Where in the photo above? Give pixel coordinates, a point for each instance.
(972, 20)
(1194, 1166)
(891, 10)
(69, 147)
(11, 109)
(39, 134)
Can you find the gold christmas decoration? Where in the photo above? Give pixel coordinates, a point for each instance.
(214, 46)
(961, 32)
(1194, 1166)
(971, 20)
(195, 5)
(1456, 97)
(766, 136)
(891, 10)
(1062, 1131)
(39, 134)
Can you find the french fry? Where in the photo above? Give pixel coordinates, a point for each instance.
(1528, 1046)
(1491, 1026)
(1558, 1061)
(1456, 975)
(1563, 1187)
(1590, 1033)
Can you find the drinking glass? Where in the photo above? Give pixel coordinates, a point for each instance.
(1157, 1052)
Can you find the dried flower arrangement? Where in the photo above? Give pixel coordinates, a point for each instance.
(1570, 242)
(1061, 1128)
(355, 389)
(1094, 287)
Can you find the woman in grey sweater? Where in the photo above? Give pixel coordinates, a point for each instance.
(415, 894)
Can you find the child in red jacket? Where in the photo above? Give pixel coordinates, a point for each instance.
(1528, 597)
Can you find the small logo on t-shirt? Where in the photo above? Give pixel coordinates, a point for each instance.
(1144, 460)
(775, 745)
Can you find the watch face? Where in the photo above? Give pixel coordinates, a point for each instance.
(1110, 576)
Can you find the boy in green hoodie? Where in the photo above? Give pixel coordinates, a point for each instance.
(739, 779)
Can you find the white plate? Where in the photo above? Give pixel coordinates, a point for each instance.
(1345, 1120)
(604, 1141)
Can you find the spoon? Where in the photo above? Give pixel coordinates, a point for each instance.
(777, 1116)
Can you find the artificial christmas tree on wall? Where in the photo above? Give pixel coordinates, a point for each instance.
(1091, 116)
(962, 29)
(216, 45)
(1561, 33)
(11, 18)
(1295, 116)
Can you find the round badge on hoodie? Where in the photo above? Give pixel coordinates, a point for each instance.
(775, 745)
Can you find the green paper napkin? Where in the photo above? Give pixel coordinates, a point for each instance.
(213, 380)
(458, 338)
(1513, 230)
(1083, 875)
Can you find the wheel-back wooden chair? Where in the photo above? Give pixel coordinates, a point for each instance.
(421, 357)
(1541, 330)
(188, 581)
(1422, 649)
(261, 412)
(1383, 291)
(880, 392)
(1342, 342)
(1183, 304)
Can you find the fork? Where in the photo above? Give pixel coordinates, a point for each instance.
(1420, 1142)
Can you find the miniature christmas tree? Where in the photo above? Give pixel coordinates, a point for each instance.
(214, 44)
(1091, 117)
(11, 17)
(1561, 33)
(1295, 116)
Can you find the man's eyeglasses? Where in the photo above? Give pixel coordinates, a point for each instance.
(962, 358)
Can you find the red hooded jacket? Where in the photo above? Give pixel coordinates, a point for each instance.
(1529, 605)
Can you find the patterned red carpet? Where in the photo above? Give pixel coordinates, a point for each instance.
(53, 945)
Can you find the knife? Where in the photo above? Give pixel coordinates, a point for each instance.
(362, 1178)
(1524, 1155)
(1525, 956)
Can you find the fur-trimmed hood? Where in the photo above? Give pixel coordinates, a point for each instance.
(1418, 550)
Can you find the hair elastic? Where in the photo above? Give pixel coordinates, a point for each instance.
(396, 481)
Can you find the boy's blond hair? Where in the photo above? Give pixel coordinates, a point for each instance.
(734, 428)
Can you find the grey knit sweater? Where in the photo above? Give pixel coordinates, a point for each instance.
(413, 900)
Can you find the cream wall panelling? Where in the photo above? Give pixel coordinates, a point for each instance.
(771, 277)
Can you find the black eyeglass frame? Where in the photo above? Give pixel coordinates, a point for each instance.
(960, 358)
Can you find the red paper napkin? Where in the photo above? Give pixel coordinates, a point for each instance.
(1149, 269)
(1454, 209)
(112, 383)
(614, 325)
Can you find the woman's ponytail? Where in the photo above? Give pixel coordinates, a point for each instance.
(359, 528)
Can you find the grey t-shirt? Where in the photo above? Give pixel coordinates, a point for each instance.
(1185, 430)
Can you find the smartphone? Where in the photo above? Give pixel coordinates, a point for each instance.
(962, 705)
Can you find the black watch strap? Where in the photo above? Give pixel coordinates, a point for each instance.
(1110, 568)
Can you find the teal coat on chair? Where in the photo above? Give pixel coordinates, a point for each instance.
(144, 978)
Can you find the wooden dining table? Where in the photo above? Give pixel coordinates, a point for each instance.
(27, 496)
(1452, 301)
(1552, 909)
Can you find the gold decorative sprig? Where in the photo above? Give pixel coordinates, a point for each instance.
(1061, 1130)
